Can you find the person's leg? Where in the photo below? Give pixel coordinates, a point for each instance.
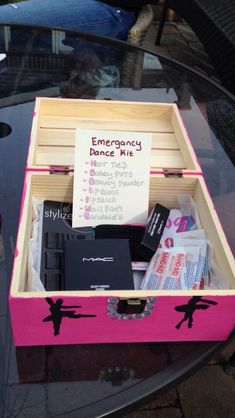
(85, 15)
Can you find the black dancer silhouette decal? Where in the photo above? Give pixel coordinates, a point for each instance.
(196, 302)
(57, 313)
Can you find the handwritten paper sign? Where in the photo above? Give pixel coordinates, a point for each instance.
(111, 177)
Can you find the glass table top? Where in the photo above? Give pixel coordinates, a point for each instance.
(91, 380)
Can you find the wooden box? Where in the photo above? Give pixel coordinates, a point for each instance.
(51, 153)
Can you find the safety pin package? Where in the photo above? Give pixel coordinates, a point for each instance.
(140, 314)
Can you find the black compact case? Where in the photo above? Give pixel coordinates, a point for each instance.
(101, 264)
(134, 234)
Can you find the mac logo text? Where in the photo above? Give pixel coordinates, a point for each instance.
(92, 259)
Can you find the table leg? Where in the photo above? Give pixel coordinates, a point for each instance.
(230, 366)
(7, 37)
(162, 22)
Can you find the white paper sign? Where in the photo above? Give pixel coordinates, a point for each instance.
(111, 177)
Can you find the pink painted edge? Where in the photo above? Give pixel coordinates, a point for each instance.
(142, 331)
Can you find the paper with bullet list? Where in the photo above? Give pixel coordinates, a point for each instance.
(111, 177)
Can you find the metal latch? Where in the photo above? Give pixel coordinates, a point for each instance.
(131, 306)
(59, 169)
(172, 173)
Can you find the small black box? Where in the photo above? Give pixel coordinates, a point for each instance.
(103, 264)
(154, 230)
(134, 234)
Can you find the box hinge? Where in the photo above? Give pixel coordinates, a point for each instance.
(173, 173)
(59, 169)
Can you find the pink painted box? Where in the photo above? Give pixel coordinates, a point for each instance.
(77, 317)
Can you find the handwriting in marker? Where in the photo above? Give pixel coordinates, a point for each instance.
(117, 179)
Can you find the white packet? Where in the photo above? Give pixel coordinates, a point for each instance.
(189, 210)
(149, 270)
(195, 234)
(139, 265)
(217, 280)
(138, 269)
(172, 224)
(181, 222)
(196, 262)
(165, 270)
(138, 276)
(33, 281)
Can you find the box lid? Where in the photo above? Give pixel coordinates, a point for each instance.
(55, 121)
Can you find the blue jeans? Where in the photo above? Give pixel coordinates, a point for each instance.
(85, 15)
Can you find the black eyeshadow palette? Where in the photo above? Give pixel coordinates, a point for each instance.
(55, 228)
(98, 265)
